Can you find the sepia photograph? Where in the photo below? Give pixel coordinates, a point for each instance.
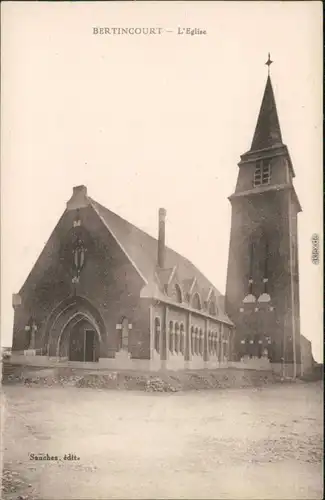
(161, 250)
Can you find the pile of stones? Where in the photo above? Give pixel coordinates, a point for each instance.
(106, 381)
(156, 384)
(13, 378)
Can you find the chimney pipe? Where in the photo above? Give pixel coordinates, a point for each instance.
(161, 238)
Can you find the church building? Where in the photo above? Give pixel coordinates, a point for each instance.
(105, 293)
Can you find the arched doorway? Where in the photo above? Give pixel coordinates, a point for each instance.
(83, 342)
(75, 330)
(79, 339)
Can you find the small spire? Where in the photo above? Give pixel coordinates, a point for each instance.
(268, 63)
(267, 131)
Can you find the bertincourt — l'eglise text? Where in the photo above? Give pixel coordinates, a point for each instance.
(190, 31)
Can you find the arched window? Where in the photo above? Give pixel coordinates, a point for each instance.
(182, 340)
(196, 344)
(177, 338)
(192, 340)
(209, 342)
(201, 342)
(196, 301)
(157, 334)
(215, 343)
(220, 346)
(171, 337)
(177, 294)
(212, 307)
(225, 347)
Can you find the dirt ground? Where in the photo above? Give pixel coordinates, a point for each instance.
(235, 444)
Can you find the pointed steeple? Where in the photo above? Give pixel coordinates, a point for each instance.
(267, 131)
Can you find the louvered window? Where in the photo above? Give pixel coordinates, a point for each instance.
(262, 174)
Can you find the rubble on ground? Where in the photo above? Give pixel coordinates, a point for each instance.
(162, 381)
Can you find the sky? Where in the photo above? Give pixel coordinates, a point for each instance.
(154, 121)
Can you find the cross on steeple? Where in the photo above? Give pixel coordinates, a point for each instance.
(268, 63)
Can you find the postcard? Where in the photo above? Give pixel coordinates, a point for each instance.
(161, 279)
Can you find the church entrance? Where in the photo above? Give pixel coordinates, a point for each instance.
(75, 331)
(90, 345)
(83, 343)
(76, 347)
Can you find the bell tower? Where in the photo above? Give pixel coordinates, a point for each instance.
(262, 291)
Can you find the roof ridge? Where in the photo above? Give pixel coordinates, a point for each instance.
(122, 218)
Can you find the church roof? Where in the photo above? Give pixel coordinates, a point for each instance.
(267, 132)
(142, 250)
